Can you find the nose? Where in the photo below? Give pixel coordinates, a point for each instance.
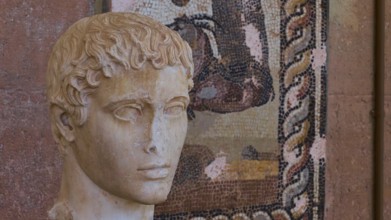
(154, 135)
(150, 148)
(180, 3)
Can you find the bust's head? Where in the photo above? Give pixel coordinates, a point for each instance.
(118, 90)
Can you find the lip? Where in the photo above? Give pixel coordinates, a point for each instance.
(155, 171)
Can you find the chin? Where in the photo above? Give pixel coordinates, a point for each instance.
(150, 195)
(156, 198)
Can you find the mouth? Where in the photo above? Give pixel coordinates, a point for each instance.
(155, 171)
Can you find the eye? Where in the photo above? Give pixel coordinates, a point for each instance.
(128, 112)
(174, 109)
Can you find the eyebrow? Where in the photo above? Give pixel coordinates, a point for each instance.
(116, 102)
(185, 99)
(111, 105)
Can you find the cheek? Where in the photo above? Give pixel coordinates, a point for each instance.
(117, 133)
(176, 133)
(114, 140)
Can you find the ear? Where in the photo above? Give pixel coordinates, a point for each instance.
(63, 122)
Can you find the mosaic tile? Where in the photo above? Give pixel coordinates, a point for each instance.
(256, 141)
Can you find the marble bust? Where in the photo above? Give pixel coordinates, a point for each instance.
(118, 90)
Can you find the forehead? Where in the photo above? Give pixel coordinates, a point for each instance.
(148, 83)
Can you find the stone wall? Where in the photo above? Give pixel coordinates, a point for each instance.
(387, 107)
(350, 111)
(350, 88)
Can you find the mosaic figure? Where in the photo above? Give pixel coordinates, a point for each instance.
(230, 50)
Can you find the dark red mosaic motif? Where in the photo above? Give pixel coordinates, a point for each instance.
(233, 81)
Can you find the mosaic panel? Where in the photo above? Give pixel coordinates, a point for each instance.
(256, 140)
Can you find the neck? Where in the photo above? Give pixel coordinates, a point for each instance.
(80, 198)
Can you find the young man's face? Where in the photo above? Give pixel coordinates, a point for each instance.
(136, 127)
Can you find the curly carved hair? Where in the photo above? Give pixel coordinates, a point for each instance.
(95, 47)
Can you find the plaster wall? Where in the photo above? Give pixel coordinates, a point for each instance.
(30, 166)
